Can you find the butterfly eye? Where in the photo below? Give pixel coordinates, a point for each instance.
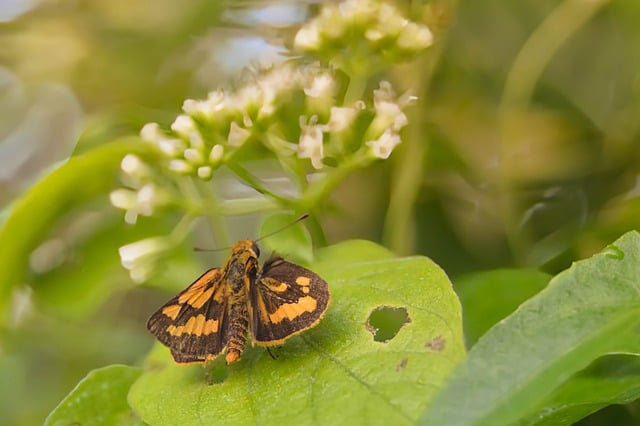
(255, 249)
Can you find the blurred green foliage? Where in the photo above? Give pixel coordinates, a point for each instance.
(521, 152)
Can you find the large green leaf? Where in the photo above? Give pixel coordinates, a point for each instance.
(32, 217)
(489, 296)
(587, 311)
(99, 399)
(613, 379)
(335, 373)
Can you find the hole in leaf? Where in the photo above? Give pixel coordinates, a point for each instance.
(385, 322)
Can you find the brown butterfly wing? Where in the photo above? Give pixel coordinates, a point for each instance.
(193, 323)
(285, 300)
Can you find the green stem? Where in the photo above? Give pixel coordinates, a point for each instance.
(182, 229)
(319, 190)
(355, 90)
(213, 216)
(409, 166)
(550, 36)
(255, 183)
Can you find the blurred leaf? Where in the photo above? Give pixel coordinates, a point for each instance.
(351, 252)
(613, 379)
(79, 180)
(99, 399)
(336, 372)
(286, 238)
(487, 297)
(93, 271)
(587, 311)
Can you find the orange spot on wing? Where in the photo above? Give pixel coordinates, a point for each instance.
(197, 325)
(195, 295)
(303, 281)
(198, 300)
(280, 288)
(171, 311)
(292, 310)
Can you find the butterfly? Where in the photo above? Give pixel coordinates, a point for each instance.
(219, 309)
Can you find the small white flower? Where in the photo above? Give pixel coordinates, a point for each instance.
(132, 165)
(250, 96)
(215, 102)
(415, 37)
(384, 92)
(171, 147)
(341, 118)
(322, 85)
(196, 140)
(183, 125)
(193, 155)
(124, 199)
(146, 200)
(180, 166)
(205, 172)
(391, 115)
(216, 153)
(374, 34)
(142, 257)
(276, 81)
(143, 202)
(237, 135)
(308, 37)
(384, 145)
(310, 144)
(390, 20)
(269, 97)
(194, 107)
(131, 217)
(151, 132)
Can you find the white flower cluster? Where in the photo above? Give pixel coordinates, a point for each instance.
(142, 195)
(380, 24)
(209, 131)
(142, 258)
(282, 102)
(384, 131)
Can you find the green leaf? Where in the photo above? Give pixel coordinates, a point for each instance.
(32, 217)
(613, 379)
(587, 311)
(99, 399)
(489, 296)
(72, 291)
(335, 373)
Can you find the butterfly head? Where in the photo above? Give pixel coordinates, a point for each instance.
(245, 248)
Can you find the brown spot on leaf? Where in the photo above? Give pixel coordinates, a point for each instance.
(436, 344)
(402, 365)
(385, 322)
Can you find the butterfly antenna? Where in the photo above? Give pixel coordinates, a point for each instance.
(301, 218)
(216, 249)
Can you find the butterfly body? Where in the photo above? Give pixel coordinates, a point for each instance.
(220, 308)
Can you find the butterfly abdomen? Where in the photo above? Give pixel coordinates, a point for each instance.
(237, 332)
